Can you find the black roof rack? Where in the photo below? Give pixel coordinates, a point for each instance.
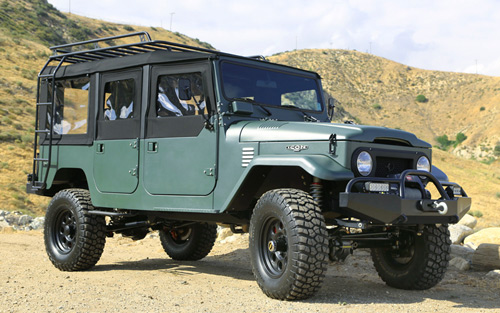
(146, 44)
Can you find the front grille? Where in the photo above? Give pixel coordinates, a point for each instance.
(389, 166)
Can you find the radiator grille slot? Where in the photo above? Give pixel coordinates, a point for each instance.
(387, 166)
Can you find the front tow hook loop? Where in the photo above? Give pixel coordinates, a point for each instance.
(441, 207)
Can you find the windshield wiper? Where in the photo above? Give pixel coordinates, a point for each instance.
(252, 101)
(307, 117)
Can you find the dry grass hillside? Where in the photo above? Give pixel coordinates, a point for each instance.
(368, 89)
(377, 91)
(27, 29)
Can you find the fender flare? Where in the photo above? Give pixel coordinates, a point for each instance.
(320, 166)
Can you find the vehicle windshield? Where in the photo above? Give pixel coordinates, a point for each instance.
(268, 87)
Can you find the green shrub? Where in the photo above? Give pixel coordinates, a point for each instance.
(444, 142)
(459, 139)
(128, 28)
(377, 106)
(421, 99)
(496, 151)
(482, 109)
(476, 213)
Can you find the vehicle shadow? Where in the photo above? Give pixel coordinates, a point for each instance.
(231, 264)
(351, 283)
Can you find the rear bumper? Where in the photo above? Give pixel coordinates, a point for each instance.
(396, 208)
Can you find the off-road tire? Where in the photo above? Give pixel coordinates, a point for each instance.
(197, 243)
(425, 268)
(74, 239)
(289, 222)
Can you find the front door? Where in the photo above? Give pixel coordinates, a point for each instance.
(116, 149)
(180, 156)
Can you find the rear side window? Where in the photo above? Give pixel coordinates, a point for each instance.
(72, 106)
(119, 99)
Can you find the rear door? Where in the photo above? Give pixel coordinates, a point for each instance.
(180, 154)
(116, 149)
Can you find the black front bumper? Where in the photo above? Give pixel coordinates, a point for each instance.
(393, 208)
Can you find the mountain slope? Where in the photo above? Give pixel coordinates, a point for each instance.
(27, 29)
(360, 82)
(378, 91)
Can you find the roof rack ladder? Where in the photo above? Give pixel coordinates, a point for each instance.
(34, 179)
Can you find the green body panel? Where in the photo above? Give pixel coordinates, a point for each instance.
(68, 157)
(302, 131)
(116, 165)
(180, 166)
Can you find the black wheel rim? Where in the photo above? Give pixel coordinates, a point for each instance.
(404, 255)
(274, 247)
(65, 231)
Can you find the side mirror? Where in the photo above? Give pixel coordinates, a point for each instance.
(185, 92)
(331, 108)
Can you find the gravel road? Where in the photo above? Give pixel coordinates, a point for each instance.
(138, 276)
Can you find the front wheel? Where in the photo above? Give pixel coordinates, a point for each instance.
(419, 263)
(288, 244)
(74, 239)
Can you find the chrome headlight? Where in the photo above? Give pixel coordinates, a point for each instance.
(423, 164)
(364, 163)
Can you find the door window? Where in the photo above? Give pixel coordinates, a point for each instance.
(119, 99)
(180, 95)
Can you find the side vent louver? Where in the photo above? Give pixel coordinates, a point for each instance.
(246, 156)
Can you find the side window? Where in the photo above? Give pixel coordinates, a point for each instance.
(72, 106)
(119, 99)
(180, 95)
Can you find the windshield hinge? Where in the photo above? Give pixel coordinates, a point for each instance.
(333, 144)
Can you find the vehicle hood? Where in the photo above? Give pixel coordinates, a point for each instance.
(309, 131)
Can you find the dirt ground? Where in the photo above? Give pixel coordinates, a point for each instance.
(139, 277)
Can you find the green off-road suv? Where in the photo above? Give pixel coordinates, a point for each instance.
(161, 136)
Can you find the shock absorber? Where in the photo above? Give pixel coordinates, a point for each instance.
(316, 191)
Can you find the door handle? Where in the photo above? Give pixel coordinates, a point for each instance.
(100, 148)
(152, 146)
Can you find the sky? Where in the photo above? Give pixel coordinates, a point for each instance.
(445, 35)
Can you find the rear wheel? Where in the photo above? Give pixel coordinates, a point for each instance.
(288, 244)
(189, 243)
(74, 239)
(419, 263)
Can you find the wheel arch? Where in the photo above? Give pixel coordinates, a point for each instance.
(273, 172)
(67, 178)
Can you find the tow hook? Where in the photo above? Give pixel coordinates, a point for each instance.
(433, 206)
(441, 207)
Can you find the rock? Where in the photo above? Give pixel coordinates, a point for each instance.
(459, 232)
(460, 263)
(12, 218)
(462, 252)
(487, 235)
(37, 223)
(471, 245)
(486, 257)
(495, 274)
(24, 220)
(4, 224)
(468, 220)
(223, 233)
